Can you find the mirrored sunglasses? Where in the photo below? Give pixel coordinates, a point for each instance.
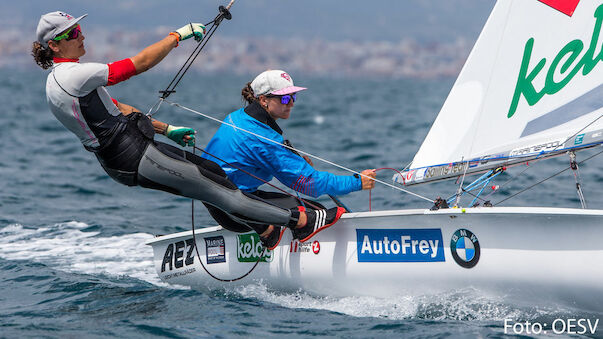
(285, 99)
(71, 34)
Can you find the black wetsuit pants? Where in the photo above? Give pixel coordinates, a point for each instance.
(276, 198)
(134, 158)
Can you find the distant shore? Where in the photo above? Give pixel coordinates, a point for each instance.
(406, 58)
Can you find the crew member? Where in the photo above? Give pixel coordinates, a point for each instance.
(271, 96)
(122, 138)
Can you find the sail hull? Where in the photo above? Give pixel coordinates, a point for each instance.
(403, 252)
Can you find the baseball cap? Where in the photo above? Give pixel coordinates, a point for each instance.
(52, 24)
(274, 82)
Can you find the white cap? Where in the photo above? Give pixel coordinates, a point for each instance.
(274, 82)
(54, 23)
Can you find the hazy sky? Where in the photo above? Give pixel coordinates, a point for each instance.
(434, 20)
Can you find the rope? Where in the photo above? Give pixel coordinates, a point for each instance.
(513, 178)
(257, 178)
(540, 182)
(224, 14)
(199, 256)
(297, 150)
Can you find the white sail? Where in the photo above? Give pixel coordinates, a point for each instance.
(531, 87)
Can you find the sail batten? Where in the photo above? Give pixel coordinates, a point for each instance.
(532, 87)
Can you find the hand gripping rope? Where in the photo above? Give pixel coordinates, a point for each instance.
(224, 13)
(213, 26)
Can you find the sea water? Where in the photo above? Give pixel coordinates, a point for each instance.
(72, 257)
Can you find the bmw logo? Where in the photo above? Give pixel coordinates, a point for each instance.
(465, 248)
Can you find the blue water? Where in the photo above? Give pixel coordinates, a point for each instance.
(72, 257)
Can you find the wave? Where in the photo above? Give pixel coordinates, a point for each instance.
(76, 247)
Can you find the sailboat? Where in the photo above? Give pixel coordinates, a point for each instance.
(531, 89)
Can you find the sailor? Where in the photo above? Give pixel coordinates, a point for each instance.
(122, 138)
(271, 96)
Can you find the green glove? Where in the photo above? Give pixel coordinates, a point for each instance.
(192, 29)
(177, 134)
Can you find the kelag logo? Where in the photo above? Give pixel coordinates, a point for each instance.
(249, 248)
(399, 245)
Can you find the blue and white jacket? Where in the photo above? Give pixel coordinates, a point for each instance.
(266, 160)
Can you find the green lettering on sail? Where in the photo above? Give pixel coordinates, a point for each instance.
(569, 53)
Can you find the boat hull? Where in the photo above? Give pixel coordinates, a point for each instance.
(549, 250)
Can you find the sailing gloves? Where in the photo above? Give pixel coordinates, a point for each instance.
(182, 135)
(189, 30)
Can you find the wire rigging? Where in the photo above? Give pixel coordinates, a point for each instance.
(545, 179)
(297, 150)
(214, 24)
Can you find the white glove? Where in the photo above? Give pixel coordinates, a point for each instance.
(192, 29)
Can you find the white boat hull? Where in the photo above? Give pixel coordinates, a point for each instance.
(540, 249)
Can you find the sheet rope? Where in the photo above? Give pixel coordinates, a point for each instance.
(295, 149)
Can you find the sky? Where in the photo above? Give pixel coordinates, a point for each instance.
(377, 20)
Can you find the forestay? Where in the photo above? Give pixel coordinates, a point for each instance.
(531, 88)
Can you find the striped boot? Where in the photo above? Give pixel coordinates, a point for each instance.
(318, 220)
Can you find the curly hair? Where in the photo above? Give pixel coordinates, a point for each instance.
(247, 94)
(42, 56)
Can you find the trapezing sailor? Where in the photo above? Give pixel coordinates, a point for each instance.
(122, 138)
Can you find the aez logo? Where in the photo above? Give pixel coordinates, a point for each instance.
(399, 245)
(465, 248)
(174, 254)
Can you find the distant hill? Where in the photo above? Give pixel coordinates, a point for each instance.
(361, 20)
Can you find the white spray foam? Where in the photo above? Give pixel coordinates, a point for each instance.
(465, 305)
(66, 247)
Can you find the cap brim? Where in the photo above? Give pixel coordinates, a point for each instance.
(70, 24)
(288, 90)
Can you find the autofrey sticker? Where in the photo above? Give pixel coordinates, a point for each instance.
(400, 245)
(579, 139)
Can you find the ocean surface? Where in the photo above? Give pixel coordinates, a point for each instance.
(72, 257)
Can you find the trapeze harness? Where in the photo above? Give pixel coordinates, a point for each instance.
(126, 149)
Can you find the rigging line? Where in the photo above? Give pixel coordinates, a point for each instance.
(199, 256)
(540, 182)
(155, 108)
(190, 56)
(334, 198)
(535, 160)
(202, 45)
(256, 177)
(224, 13)
(188, 63)
(299, 151)
(460, 190)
